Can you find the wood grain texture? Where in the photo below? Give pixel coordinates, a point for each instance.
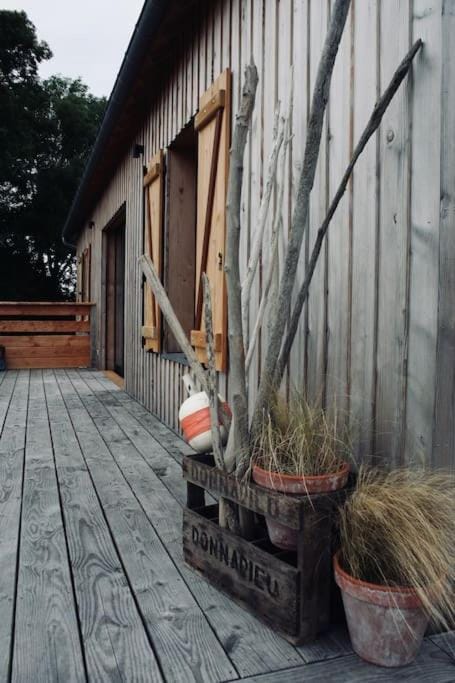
(424, 237)
(252, 647)
(445, 641)
(12, 447)
(393, 248)
(362, 309)
(444, 423)
(8, 381)
(431, 666)
(46, 640)
(185, 644)
(115, 642)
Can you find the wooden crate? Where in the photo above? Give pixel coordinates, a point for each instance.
(289, 591)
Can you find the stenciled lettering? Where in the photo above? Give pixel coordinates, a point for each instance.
(234, 559)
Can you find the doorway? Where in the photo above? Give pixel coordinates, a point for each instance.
(114, 260)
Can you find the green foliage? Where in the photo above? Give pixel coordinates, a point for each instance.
(47, 129)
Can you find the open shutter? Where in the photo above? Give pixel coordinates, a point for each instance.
(213, 124)
(153, 234)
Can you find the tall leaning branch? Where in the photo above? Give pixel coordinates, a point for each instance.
(165, 305)
(238, 435)
(372, 125)
(212, 392)
(306, 181)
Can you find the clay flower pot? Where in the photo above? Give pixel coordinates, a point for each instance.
(282, 536)
(386, 624)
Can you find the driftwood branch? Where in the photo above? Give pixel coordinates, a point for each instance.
(372, 125)
(212, 391)
(277, 225)
(165, 305)
(262, 221)
(238, 436)
(312, 146)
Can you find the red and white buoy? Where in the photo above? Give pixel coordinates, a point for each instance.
(194, 418)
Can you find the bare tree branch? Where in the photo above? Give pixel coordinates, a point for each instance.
(212, 392)
(312, 146)
(238, 437)
(372, 125)
(262, 221)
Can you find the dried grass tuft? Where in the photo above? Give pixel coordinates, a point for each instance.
(398, 529)
(300, 439)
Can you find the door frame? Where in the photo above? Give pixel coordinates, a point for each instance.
(117, 222)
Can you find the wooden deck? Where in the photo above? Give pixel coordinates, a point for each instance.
(92, 581)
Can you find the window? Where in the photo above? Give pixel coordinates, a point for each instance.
(185, 193)
(180, 233)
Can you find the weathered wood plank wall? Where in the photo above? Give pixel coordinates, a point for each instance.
(378, 331)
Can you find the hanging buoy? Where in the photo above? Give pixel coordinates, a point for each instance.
(194, 418)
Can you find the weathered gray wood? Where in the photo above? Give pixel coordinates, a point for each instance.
(184, 642)
(299, 219)
(46, 639)
(6, 391)
(249, 575)
(200, 471)
(371, 127)
(115, 642)
(211, 375)
(252, 647)
(237, 446)
(446, 641)
(431, 666)
(393, 248)
(332, 644)
(444, 423)
(425, 211)
(12, 444)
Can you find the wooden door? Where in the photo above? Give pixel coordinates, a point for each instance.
(115, 297)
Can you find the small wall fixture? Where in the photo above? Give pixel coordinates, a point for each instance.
(138, 150)
(91, 225)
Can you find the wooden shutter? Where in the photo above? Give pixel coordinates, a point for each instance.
(213, 124)
(153, 235)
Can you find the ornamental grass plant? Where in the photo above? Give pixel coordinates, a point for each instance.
(300, 439)
(397, 529)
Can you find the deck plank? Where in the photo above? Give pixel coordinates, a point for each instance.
(253, 647)
(47, 641)
(115, 641)
(8, 382)
(432, 665)
(12, 448)
(335, 643)
(445, 641)
(183, 639)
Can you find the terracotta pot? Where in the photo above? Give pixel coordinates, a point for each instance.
(386, 624)
(282, 536)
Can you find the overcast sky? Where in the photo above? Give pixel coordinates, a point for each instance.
(87, 37)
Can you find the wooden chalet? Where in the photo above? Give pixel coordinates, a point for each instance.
(378, 333)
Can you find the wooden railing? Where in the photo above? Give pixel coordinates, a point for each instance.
(45, 334)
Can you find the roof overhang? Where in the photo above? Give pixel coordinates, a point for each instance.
(148, 59)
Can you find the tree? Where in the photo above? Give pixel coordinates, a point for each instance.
(47, 129)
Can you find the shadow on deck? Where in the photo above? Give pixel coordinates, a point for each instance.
(92, 581)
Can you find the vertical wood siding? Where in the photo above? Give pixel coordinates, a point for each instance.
(378, 332)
